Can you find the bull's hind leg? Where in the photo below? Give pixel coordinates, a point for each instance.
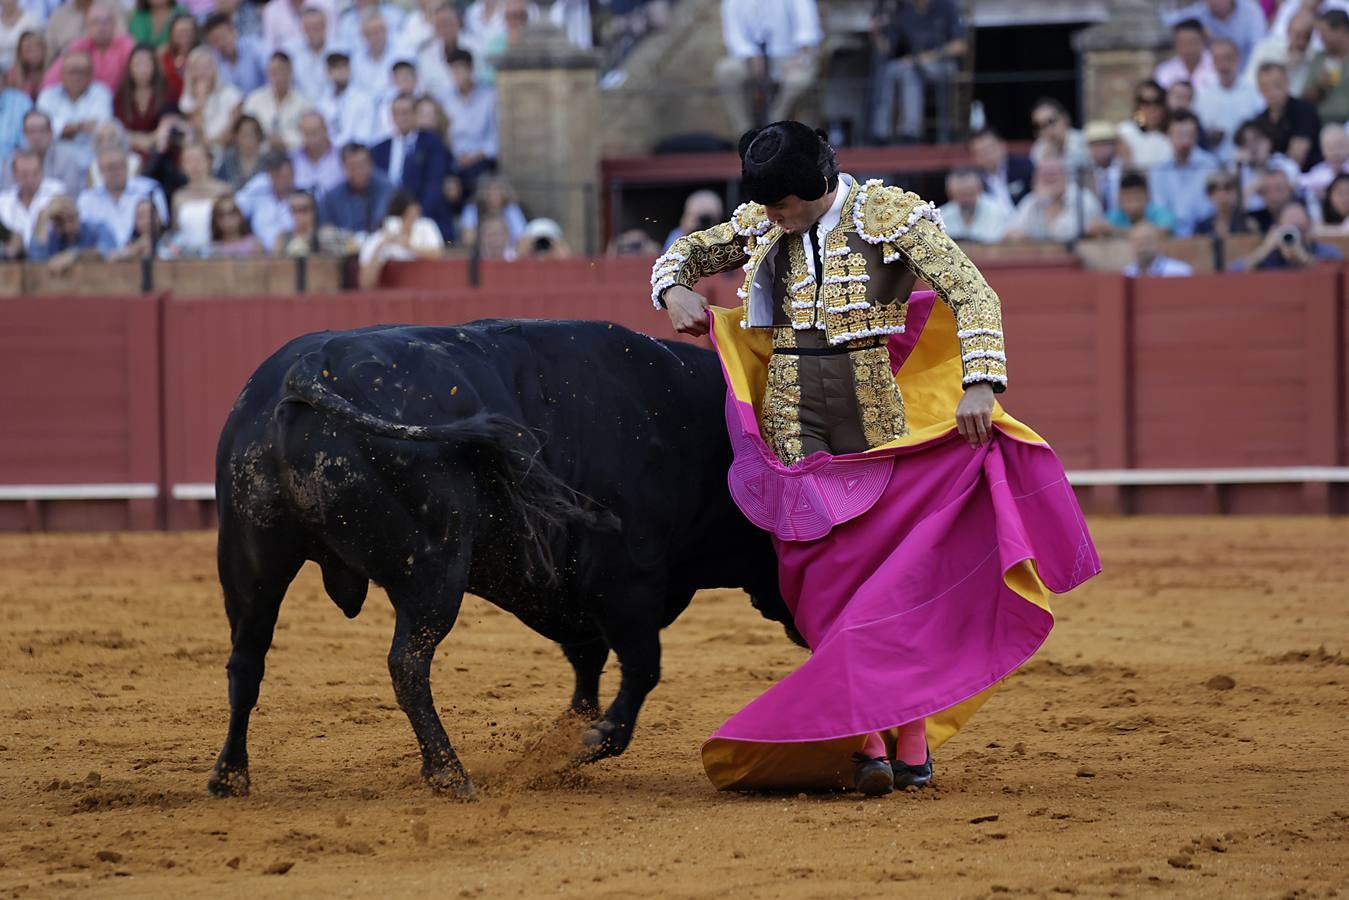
(255, 570)
(424, 618)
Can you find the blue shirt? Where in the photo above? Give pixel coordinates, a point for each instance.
(92, 236)
(97, 207)
(1160, 267)
(268, 214)
(248, 72)
(359, 213)
(1152, 214)
(1180, 188)
(14, 105)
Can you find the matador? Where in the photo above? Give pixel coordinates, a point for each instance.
(829, 342)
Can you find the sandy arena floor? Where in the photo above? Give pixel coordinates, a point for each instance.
(1184, 733)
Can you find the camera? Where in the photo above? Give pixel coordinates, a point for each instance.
(706, 221)
(1290, 237)
(543, 244)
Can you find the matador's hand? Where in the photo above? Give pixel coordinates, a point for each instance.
(974, 414)
(688, 311)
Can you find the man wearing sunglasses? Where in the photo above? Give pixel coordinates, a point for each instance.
(1055, 134)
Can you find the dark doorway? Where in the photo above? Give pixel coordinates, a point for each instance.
(1015, 65)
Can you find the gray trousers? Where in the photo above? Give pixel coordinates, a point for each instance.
(907, 78)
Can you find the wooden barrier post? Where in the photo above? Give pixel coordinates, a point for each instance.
(1325, 365)
(1114, 340)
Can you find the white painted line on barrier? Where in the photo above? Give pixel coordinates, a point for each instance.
(197, 491)
(1084, 478)
(1270, 475)
(78, 491)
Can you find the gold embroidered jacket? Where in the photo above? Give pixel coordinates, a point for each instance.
(885, 240)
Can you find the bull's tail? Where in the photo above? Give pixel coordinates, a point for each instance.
(543, 503)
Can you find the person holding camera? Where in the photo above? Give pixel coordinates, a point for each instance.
(1289, 244)
(543, 240)
(702, 210)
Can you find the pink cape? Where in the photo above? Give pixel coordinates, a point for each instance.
(918, 573)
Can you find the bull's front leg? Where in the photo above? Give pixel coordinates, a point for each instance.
(421, 625)
(638, 651)
(587, 660)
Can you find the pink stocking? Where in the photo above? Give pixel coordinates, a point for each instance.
(874, 747)
(912, 749)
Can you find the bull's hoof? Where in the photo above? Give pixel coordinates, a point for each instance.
(448, 783)
(228, 781)
(602, 740)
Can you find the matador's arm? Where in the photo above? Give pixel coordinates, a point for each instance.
(710, 252)
(910, 230)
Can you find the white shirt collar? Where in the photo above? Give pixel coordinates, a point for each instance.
(829, 221)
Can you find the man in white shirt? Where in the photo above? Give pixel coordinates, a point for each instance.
(348, 110)
(766, 40)
(1292, 50)
(1104, 170)
(972, 215)
(1055, 209)
(277, 105)
(281, 24)
(317, 163)
(1192, 62)
(351, 24)
(114, 203)
(433, 58)
(1224, 105)
(77, 105)
(372, 62)
(21, 204)
(1145, 239)
(472, 108)
(1335, 149)
(1240, 21)
(309, 55)
(58, 161)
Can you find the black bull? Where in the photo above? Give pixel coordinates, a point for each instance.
(572, 473)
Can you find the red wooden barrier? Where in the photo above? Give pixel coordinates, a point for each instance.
(79, 390)
(1238, 372)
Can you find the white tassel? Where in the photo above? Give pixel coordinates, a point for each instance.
(975, 377)
(978, 332)
(984, 354)
(865, 333)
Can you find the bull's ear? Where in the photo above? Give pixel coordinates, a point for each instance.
(746, 139)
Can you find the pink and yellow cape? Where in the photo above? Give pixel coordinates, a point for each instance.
(919, 572)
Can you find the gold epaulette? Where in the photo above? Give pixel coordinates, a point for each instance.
(750, 220)
(882, 214)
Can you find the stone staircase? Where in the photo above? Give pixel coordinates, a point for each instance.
(668, 87)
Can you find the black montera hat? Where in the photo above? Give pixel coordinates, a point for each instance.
(785, 159)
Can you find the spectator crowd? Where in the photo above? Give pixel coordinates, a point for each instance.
(228, 128)
(1241, 128)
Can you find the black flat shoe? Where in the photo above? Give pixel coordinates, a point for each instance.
(906, 776)
(873, 777)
